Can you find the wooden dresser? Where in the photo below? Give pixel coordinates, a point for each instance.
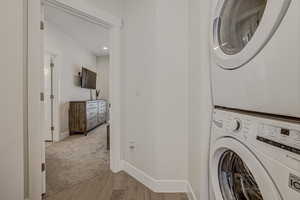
(87, 115)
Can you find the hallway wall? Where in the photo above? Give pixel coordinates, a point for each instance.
(155, 87)
(138, 84)
(12, 62)
(200, 104)
(103, 76)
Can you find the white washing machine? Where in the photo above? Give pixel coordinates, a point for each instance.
(255, 51)
(254, 158)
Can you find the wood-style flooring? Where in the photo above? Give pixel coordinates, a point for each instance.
(110, 186)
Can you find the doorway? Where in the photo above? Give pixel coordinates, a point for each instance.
(36, 81)
(76, 100)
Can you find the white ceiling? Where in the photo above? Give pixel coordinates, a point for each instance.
(89, 35)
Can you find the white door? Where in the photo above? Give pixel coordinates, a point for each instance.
(241, 28)
(237, 174)
(48, 93)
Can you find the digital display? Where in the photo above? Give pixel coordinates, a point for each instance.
(88, 79)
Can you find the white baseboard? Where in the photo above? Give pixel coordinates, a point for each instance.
(161, 186)
(63, 135)
(190, 192)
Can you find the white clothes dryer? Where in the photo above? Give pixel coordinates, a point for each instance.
(255, 54)
(254, 158)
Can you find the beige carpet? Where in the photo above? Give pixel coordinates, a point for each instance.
(75, 160)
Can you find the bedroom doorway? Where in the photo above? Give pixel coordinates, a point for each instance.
(76, 99)
(36, 83)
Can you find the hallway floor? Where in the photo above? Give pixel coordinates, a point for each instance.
(78, 169)
(112, 186)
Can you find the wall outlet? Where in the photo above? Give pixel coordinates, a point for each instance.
(132, 145)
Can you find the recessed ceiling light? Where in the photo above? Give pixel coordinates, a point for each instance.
(105, 48)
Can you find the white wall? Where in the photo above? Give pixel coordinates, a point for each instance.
(199, 98)
(11, 106)
(155, 86)
(71, 57)
(114, 7)
(171, 82)
(103, 76)
(138, 78)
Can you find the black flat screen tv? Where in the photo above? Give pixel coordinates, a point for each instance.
(88, 79)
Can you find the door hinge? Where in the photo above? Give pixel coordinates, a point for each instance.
(42, 25)
(43, 167)
(42, 96)
(52, 128)
(51, 65)
(51, 96)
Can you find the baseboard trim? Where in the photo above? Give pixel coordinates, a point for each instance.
(190, 192)
(63, 135)
(161, 186)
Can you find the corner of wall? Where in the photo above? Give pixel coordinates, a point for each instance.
(190, 192)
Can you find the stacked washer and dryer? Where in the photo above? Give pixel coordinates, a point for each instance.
(255, 72)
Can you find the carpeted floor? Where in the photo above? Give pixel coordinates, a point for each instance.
(76, 159)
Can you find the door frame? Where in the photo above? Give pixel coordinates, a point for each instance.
(35, 55)
(54, 58)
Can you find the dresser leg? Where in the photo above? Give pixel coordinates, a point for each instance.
(108, 137)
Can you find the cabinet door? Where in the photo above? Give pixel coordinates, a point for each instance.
(77, 117)
(91, 112)
(92, 123)
(102, 108)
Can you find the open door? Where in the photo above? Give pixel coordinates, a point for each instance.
(49, 97)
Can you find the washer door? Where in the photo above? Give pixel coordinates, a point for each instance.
(238, 175)
(241, 28)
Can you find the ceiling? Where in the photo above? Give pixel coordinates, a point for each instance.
(89, 35)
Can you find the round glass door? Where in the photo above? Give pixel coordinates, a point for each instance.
(241, 29)
(236, 180)
(239, 20)
(237, 174)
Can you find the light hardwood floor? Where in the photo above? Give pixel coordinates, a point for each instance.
(78, 169)
(110, 186)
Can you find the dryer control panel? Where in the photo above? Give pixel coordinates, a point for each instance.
(281, 137)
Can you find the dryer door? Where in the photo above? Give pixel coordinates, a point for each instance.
(241, 28)
(238, 175)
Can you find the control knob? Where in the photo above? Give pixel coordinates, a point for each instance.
(235, 125)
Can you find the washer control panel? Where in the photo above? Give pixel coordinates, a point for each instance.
(232, 124)
(280, 137)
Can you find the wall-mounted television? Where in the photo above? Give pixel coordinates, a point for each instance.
(88, 79)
